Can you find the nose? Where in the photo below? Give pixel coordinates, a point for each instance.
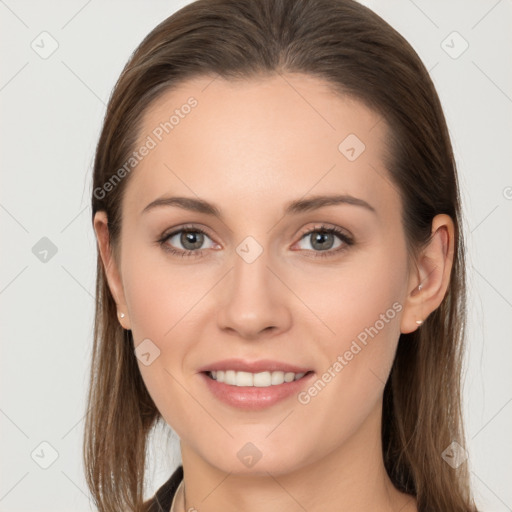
(254, 302)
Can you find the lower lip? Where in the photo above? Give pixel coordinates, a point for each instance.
(255, 398)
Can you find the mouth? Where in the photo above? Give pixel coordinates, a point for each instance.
(262, 379)
(247, 391)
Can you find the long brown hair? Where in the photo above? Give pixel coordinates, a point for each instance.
(360, 55)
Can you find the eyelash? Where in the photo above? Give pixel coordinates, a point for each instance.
(347, 241)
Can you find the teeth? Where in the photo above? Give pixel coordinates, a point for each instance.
(260, 380)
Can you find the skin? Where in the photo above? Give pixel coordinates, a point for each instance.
(276, 139)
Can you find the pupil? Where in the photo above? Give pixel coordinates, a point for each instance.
(194, 238)
(321, 237)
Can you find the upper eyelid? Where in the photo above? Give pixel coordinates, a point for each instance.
(321, 226)
(174, 231)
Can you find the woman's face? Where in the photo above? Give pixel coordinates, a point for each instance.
(263, 282)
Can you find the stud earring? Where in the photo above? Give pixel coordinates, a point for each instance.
(420, 287)
(419, 322)
(121, 315)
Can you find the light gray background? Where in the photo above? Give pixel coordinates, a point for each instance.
(50, 120)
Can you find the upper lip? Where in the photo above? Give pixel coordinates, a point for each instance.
(261, 365)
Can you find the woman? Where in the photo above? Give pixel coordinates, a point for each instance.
(280, 268)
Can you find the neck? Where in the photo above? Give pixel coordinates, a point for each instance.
(350, 478)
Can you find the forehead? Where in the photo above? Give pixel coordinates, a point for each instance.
(272, 137)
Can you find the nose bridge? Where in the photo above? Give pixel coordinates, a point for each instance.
(250, 273)
(254, 300)
(251, 277)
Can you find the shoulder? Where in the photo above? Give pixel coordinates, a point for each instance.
(161, 501)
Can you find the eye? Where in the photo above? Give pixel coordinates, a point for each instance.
(191, 238)
(322, 239)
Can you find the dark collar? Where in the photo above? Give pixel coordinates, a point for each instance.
(161, 501)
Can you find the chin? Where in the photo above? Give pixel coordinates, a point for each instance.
(258, 459)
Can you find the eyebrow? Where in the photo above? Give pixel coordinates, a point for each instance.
(293, 207)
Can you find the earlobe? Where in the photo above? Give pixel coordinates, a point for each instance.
(110, 267)
(431, 276)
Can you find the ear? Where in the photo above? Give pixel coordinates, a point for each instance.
(110, 266)
(430, 277)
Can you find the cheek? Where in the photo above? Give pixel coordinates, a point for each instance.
(163, 303)
(160, 293)
(361, 299)
(360, 308)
